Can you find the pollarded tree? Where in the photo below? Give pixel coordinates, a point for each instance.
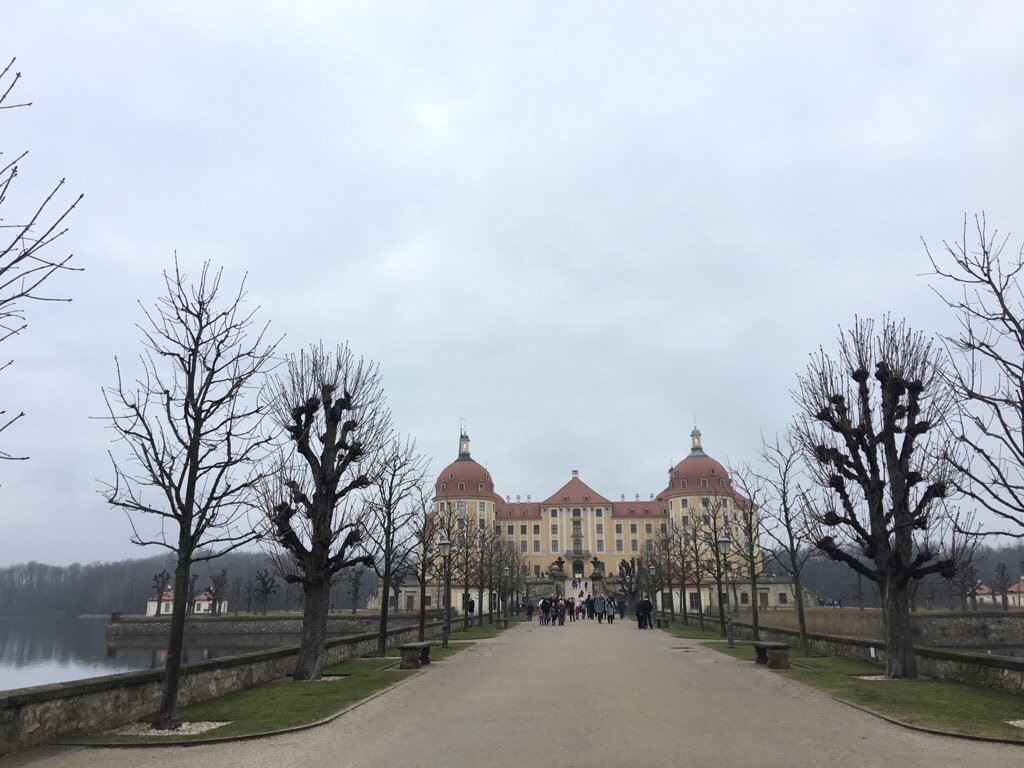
(982, 287)
(24, 236)
(192, 434)
(332, 409)
(873, 427)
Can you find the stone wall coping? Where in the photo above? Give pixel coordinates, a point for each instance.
(968, 657)
(38, 693)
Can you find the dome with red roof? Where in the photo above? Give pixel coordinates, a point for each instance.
(688, 474)
(464, 477)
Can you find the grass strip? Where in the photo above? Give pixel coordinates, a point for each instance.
(282, 704)
(940, 705)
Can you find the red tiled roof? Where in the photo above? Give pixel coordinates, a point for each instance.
(575, 492)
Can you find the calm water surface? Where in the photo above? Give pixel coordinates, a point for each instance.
(37, 650)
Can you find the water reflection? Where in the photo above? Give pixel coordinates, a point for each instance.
(38, 650)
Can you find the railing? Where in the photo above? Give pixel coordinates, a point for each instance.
(577, 553)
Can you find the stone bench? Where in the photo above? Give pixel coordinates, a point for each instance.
(415, 655)
(662, 623)
(775, 655)
(501, 622)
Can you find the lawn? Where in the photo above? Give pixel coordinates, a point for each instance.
(286, 703)
(939, 705)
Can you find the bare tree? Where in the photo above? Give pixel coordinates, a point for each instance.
(264, 585)
(332, 409)
(678, 543)
(192, 592)
(192, 435)
(160, 582)
(747, 502)
(873, 426)
(1001, 583)
(786, 515)
(426, 539)
(390, 532)
(24, 236)
(353, 577)
(988, 377)
(218, 591)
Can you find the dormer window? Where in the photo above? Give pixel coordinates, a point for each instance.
(462, 486)
(703, 482)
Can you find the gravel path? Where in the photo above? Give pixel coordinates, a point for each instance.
(580, 695)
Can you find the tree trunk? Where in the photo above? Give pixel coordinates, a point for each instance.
(382, 628)
(423, 608)
(755, 627)
(899, 644)
(167, 719)
(310, 663)
(800, 617)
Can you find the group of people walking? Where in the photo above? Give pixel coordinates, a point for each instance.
(555, 610)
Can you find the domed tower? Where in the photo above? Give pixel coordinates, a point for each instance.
(464, 478)
(697, 474)
(464, 491)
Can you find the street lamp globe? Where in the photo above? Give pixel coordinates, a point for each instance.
(445, 546)
(724, 544)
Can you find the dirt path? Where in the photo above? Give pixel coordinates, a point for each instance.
(580, 695)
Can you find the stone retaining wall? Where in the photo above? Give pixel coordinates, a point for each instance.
(33, 716)
(982, 669)
(139, 626)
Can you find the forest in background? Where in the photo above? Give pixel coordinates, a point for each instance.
(125, 585)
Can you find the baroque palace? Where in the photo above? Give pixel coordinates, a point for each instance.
(578, 534)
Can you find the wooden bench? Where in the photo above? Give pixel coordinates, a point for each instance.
(415, 655)
(775, 655)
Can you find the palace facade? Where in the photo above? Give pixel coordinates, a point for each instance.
(577, 533)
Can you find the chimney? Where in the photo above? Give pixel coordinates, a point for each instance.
(575, 473)
(517, 498)
(527, 498)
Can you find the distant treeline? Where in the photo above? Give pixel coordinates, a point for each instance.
(830, 580)
(125, 585)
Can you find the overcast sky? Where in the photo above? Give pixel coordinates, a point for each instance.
(579, 225)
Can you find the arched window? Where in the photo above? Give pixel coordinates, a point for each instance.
(442, 487)
(462, 486)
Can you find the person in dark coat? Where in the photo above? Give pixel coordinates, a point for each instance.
(646, 609)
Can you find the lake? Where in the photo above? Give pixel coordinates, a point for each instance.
(38, 650)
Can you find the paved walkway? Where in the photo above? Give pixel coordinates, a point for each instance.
(580, 695)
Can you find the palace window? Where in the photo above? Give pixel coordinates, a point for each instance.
(783, 597)
(480, 487)
(648, 528)
(686, 520)
(703, 482)
(694, 601)
(481, 506)
(554, 527)
(600, 545)
(554, 545)
(522, 546)
(632, 527)
(522, 529)
(536, 546)
(600, 528)
(618, 545)
(618, 527)
(536, 530)
(462, 486)
(634, 545)
(511, 529)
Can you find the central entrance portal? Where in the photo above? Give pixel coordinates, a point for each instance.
(577, 568)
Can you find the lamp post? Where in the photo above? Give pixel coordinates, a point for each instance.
(507, 571)
(724, 543)
(446, 549)
(651, 570)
